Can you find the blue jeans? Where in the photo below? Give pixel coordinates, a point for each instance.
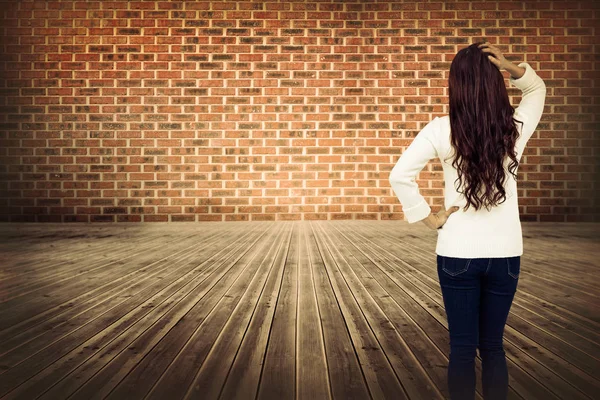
(477, 293)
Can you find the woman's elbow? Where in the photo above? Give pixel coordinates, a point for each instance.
(397, 176)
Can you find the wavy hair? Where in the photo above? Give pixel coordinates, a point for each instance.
(483, 131)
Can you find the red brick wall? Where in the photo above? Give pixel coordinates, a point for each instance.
(239, 110)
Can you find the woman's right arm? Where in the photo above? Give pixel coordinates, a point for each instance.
(531, 106)
(515, 71)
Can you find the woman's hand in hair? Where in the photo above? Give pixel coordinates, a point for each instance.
(495, 55)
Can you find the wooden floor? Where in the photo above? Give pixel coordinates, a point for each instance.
(276, 310)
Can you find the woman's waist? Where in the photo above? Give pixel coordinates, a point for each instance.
(465, 222)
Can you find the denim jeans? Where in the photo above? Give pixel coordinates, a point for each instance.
(477, 293)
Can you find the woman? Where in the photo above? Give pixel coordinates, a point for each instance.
(479, 248)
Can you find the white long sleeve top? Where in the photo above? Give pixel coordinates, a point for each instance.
(471, 233)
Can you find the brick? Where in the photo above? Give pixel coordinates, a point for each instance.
(207, 86)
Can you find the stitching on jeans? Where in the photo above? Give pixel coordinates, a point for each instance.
(459, 272)
(508, 268)
(488, 267)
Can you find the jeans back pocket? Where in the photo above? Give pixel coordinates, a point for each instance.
(513, 264)
(455, 266)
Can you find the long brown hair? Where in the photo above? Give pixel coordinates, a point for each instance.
(483, 131)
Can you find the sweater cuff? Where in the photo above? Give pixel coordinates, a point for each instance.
(526, 80)
(417, 213)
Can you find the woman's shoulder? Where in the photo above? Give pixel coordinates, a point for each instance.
(444, 121)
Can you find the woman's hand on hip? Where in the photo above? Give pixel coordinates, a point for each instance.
(442, 216)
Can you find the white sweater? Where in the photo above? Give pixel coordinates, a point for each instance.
(469, 234)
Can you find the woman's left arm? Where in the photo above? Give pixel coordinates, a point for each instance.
(403, 175)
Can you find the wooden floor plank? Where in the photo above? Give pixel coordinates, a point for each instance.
(421, 364)
(53, 321)
(95, 339)
(312, 377)
(365, 324)
(346, 378)
(56, 317)
(292, 309)
(218, 326)
(278, 378)
(98, 278)
(140, 380)
(244, 374)
(210, 380)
